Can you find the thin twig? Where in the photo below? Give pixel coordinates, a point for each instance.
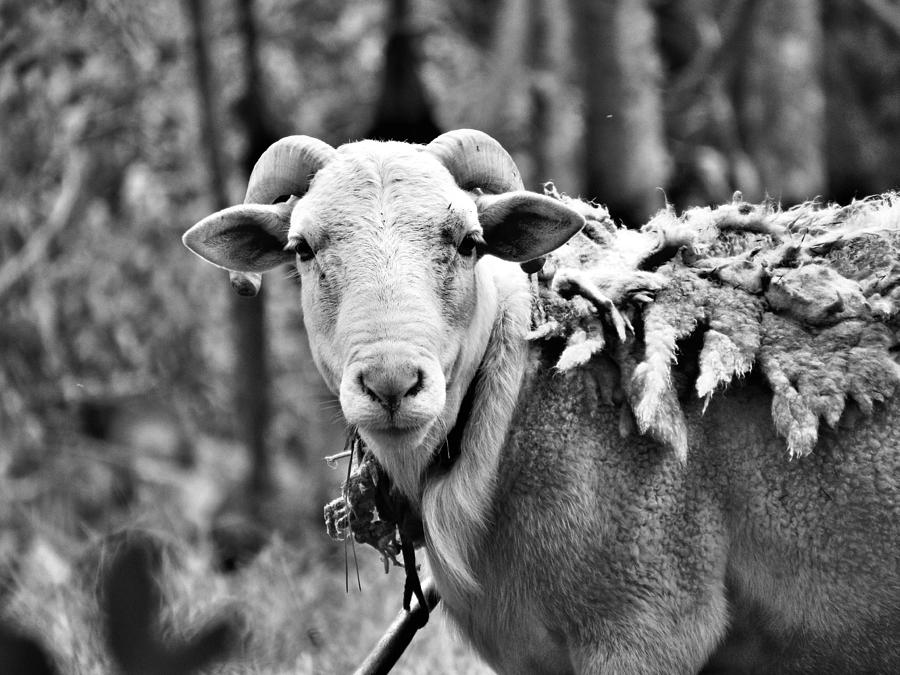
(886, 13)
(355, 561)
(66, 209)
(714, 56)
(331, 460)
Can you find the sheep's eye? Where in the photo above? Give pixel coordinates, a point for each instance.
(303, 249)
(471, 243)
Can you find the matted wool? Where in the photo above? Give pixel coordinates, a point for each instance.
(808, 295)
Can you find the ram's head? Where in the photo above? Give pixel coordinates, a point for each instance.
(400, 249)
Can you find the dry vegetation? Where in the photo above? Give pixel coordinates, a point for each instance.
(290, 603)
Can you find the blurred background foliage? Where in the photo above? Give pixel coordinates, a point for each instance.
(132, 380)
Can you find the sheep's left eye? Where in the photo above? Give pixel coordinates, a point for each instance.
(303, 249)
(471, 243)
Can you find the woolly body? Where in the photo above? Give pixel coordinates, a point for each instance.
(610, 554)
(607, 552)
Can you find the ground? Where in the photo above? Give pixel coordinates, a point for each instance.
(296, 615)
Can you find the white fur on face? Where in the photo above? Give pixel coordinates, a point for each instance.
(397, 317)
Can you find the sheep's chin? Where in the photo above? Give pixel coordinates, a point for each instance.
(396, 438)
(403, 453)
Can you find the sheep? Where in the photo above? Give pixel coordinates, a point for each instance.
(616, 456)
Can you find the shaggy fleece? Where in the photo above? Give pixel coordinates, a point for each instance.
(683, 306)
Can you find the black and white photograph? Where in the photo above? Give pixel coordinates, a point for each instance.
(450, 337)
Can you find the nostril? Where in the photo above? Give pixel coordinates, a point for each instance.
(361, 380)
(417, 385)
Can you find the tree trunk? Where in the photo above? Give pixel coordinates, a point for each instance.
(503, 109)
(210, 140)
(626, 161)
(403, 112)
(781, 105)
(247, 314)
(553, 125)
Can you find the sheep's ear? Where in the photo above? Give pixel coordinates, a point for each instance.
(521, 226)
(245, 238)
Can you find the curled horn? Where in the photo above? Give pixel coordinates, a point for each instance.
(285, 168)
(476, 160)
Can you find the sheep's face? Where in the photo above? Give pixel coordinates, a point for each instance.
(398, 302)
(387, 249)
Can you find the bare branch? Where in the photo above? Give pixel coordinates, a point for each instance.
(887, 13)
(69, 205)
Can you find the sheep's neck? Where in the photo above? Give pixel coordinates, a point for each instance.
(456, 503)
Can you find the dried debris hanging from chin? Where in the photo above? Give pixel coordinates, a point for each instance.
(367, 509)
(810, 296)
(372, 512)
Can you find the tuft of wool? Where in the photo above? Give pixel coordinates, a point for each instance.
(809, 296)
(813, 373)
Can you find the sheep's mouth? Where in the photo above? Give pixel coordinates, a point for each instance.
(394, 435)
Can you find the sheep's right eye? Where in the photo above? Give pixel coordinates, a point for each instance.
(471, 243)
(303, 249)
